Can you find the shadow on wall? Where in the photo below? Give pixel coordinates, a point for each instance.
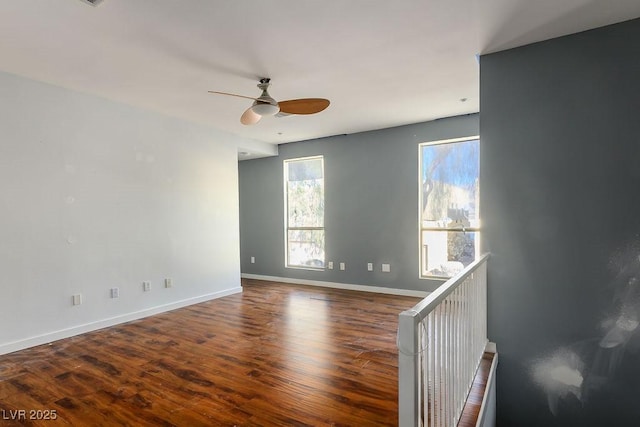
(589, 372)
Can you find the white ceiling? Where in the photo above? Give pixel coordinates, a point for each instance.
(381, 63)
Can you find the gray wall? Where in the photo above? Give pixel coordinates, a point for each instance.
(371, 204)
(560, 131)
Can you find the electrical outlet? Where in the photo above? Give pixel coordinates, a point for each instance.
(386, 268)
(330, 265)
(168, 283)
(369, 266)
(115, 292)
(77, 299)
(343, 266)
(146, 286)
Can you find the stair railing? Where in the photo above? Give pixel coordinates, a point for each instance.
(441, 341)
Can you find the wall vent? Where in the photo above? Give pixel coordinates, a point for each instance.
(92, 2)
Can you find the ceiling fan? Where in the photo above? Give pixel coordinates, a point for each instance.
(265, 105)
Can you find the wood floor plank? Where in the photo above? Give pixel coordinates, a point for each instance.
(274, 355)
(476, 394)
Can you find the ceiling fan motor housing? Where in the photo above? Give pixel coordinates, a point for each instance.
(265, 105)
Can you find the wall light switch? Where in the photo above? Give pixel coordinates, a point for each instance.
(168, 283)
(146, 286)
(343, 266)
(330, 265)
(115, 292)
(370, 266)
(253, 260)
(77, 299)
(386, 268)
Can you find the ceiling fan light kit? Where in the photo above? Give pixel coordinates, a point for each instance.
(265, 109)
(265, 105)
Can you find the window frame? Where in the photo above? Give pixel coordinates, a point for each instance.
(421, 228)
(285, 176)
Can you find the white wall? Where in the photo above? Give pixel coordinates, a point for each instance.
(96, 194)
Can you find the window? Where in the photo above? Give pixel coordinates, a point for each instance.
(304, 212)
(449, 195)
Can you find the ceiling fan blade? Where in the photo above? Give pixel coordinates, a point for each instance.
(303, 106)
(249, 117)
(232, 94)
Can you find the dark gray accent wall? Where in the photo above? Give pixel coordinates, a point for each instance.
(560, 174)
(371, 204)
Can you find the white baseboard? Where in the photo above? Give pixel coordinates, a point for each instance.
(334, 285)
(104, 323)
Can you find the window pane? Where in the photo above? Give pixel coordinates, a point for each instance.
(304, 212)
(305, 203)
(304, 170)
(450, 184)
(445, 253)
(306, 248)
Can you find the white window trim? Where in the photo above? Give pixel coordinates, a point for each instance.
(420, 228)
(286, 212)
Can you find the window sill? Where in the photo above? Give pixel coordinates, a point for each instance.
(304, 267)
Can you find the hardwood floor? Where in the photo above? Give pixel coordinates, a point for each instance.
(275, 355)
